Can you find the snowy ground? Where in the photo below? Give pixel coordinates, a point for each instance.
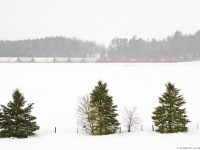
(55, 88)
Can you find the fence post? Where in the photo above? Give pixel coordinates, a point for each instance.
(77, 130)
(120, 130)
(197, 126)
(152, 127)
(141, 127)
(55, 129)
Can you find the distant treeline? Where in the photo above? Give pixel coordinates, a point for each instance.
(183, 47)
(49, 47)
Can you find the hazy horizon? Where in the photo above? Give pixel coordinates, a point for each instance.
(97, 20)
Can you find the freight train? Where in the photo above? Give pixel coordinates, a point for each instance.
(84, 60)
(134, 59)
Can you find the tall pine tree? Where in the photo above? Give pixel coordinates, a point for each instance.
(170, 117)
(103, 111)
(15, 118)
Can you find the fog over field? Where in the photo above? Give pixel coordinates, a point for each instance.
(97, 20)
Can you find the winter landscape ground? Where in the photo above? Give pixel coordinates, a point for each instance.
(55, 88)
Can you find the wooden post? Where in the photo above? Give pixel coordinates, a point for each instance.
(77, 130)
(197, 126)
(120, 131)
(55, 129)
(152, 127)
(129, 128)
(141, 127)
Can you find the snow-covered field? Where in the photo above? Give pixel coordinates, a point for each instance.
(55, 88)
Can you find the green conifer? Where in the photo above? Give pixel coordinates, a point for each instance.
(15, 118)
(103, 111)
(170, 117)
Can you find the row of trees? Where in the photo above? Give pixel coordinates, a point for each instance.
(183, 47)
(50, 47)
(97, 114)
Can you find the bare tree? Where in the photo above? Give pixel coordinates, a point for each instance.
(130, 118)
(83, 113)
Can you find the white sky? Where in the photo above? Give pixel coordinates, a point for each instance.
(97, 20)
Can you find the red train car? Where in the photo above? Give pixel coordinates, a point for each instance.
(134, 59)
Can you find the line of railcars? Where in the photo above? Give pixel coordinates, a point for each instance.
(84, 60)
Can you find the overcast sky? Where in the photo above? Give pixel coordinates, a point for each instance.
(97, 20)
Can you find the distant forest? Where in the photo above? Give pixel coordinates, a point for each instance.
(182, 47)
(49, 47)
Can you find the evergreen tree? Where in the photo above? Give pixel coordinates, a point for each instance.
(0, 120)
(170, 117)
(15, 119)
(103, 111)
